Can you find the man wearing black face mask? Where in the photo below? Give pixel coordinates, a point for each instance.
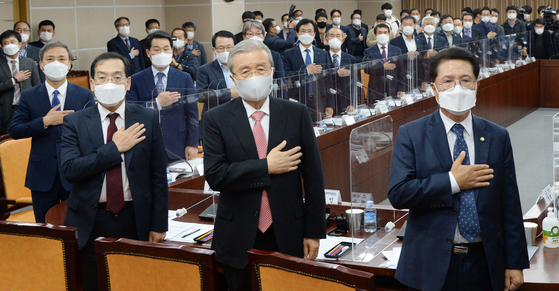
(321, 20)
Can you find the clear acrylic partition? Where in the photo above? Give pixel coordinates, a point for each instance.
(370, 146)
(211, 98)
(556, 158)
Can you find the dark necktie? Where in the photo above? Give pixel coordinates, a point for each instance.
(307, 63)
(429, 43)
(113, 176)
(159, 85)
(265, 219)
(336, 62)
(56, 101)
(17, 89)
(468, 221)
(383, 54)
(127, 43)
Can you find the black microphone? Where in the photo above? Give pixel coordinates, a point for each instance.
(180, 158)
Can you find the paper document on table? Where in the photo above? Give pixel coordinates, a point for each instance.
(188, 234)
(532, 251)
(393, 256)
(329, 242)
(177, 227)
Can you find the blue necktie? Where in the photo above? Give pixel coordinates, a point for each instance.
(159, 85)
(336, 62)
(56, 101)
(308, 62)
(468, 221)
(429, 42)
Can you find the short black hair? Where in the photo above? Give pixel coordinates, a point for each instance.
(298, 10)
(352, 14)
(543, 7)
(306, 21)
(268, 24)
(358, 11)
(458, 18)
(445, 16)
(467, 14)
(150, 21)
(248, 14)
(386, 6)
(428, 10)
(21, 21)
(321, 14)
(110, 56)
(334, 11)
(160, 34)
(495, 10)
(485, 8)
(453, 53)
(223, 33)
(512, 7)
(404, 11)
(527, 9)
(9, 33)
(116, 21)
(181, 29)
(467, 9)
(408, 17)
(476, 12)
(381, 17)
(189, 24)
(283, 16)
(320, 10)
(435, 12)
(539, 21)
(381, 25)
(415, 9)
(257, 13)
(46, 23)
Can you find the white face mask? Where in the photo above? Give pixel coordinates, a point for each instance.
(416, 17)
(357, 22)
(299, 18)
(278, 29)
(335, 43)
(388, 13)
(189, 35)
(306, 38)
(24, 37)
(255, 88)
(468, 25)
(457, 100)
(257, 38)
(448, 27)
(259, 20)
(485, 18)
(285, 25)
(11, 49)
(458, 29)
(493, 19)
(55, 71)
(222, 57)
(337, 20)
(110, 94)
(526, 16)
(511, 16)
(437, 21)
(429, 29)
(539, 31)
(162, 60)
(408, 30)
(124, 30)
(45, 36)
(178, 44)
(383, 38)
(152, 30)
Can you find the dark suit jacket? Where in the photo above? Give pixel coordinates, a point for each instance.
(85, 158)
(354, 37)
(179, 121)
(7, 85)
(456, 38)
(476, 33)
(144, 46)
(485, 30)
(342, 84)
(414, 69)
(232, 166)
(117, 45)
(202, 59)
(439, 44)
(188, 61)
(32, 52)
(211, 86)
(547, 46)
(37, 43)
(377, 74)
(419, 181)
(44, 160)
(347, 46)
(275, 43)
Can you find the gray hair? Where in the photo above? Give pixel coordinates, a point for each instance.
(247, 46)
(427, 17)
(52, 44)
(257, 24)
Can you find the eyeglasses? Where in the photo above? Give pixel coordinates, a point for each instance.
(466, 83)
(250, 34)
(221, 49)
(104, 80)
(246, 73)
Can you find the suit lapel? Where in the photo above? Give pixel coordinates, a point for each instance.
(437, 138)
(481, 147)
(94, 127)
(6, 68)
(130, 119)
(277, 124)
(121, 43)
(218, 76)
(241, 127)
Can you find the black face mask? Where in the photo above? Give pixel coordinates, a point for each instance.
(321, 24)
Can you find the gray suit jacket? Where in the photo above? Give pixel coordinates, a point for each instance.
(7, 85)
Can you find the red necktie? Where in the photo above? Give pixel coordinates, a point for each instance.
(383, 54)
(113, 176)
(265, 219)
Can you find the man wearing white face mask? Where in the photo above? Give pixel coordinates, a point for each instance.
(357, 35)
(493, 20)
(183, 59)
(336, 16)
(340, 62)
(542, 48)
(391, 20)
(447, 23)
(261, 166)
(410, 44)
(16, 75)
(455, 173)
(152, 25)
(39, 115)
(127, 46)
(25, 49)
(167, 86)
(272, 39)
(515, 26)
(113, 153)
(469, 30)
(46, 33)
(431, 42)
(192, 45)
(488, 29)
(254, 30)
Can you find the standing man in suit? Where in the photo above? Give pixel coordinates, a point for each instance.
(431, 44)
(469, 30)
(113, 153)
(253, 29)
(192, 45)
(257, 152)
(46, 33)
(493, 20)
(273, 41)
(247, 15)
(173, 91)
(25, 49)
(17, 74)
(488, 30)
(341, 81)
(39, 115)
(152, 25)
(285, 31)
(453, 38)
(389, 64)
(126, 45)
(455, 173)
(305, 63)
(357, 35)
(336, 16)
(410, 45)
(542, 48)
(183, 59)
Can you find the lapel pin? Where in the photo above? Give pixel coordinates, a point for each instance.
(482, 138)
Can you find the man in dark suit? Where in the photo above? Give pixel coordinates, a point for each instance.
(542, 48)
(16, 75)
(431, 44)
(192, 45)
(285, 31)
(469, 29)
(357, 35)
(113, 153)
(410, 45)
(247, 15)
(126, 45)
(455, 173)
(341, 81)
(305, 63)
(453, 38)
(174, 95)
(254, 30)
(336, 16)
(46, 33)
(25, 49)
(272, 39)
(260, 153)
(183, 59)
(151, 26)
(385, 68)
(39, 115)
(489, 31)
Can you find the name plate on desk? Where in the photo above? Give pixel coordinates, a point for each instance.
(408, 100)
(547, 194)
(199, 170)
(209, 190)
(333, 196)
(361, 198)
(348, 119)
(381, 108)
(361, 156)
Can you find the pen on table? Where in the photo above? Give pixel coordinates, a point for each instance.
(190, 233)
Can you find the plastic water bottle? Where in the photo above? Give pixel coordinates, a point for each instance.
(370, 219)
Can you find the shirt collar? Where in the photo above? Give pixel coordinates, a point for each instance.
(265, 107)
(155, 71)
(333, 53)
(104, 112)
(302, 48)
(407, 40)
(61, 90)
(123, 38)
(466, 123)
(380, 47)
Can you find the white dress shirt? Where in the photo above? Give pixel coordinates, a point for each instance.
(61, 93)
(432, 40)
(105, 121)
(411, 45)
(449, 38)
(227, 75)
(304, 53)
(265, 121)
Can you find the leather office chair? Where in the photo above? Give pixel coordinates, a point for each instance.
(126, 264)
(39, 256)
(79, 77)
(270, 271)
(14, 157)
